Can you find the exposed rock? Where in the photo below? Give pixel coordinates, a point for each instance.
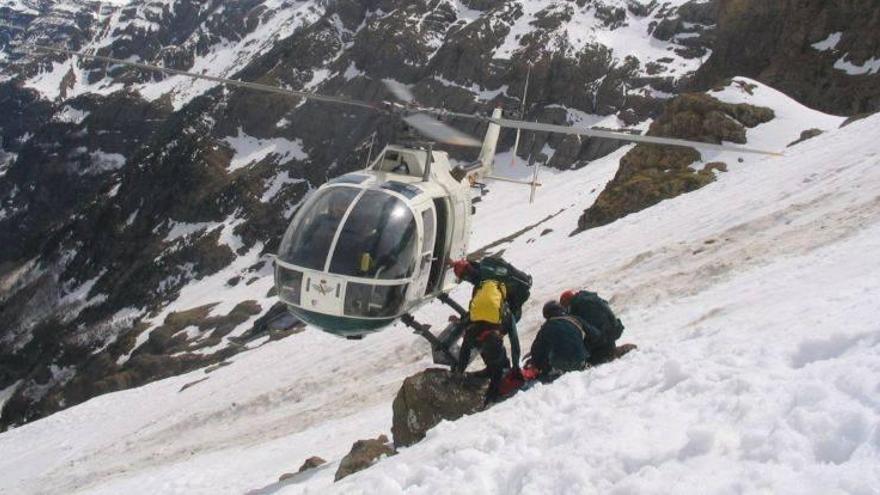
(856, 118)
(719, 166)
(649, 174)
(808, 134)
(773, 42)
(191, 384)
(363, 454)
(313, 462)
(431, 396)
(619, 352)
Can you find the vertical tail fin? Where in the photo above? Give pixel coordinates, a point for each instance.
(487, 153)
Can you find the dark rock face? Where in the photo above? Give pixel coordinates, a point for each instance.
(363, 454)
(649, 174)
(429, 397)
(773, 42)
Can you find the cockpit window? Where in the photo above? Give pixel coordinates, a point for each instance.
(407, 190)
(349, 179)
(308, 240)
(378, 239)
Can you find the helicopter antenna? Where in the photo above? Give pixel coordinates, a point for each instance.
(522, 114)
(427, 176)
(370, 149)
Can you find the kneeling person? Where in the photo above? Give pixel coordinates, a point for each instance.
(559, 346)
(603, 326)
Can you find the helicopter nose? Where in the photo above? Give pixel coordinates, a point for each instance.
(342, 326)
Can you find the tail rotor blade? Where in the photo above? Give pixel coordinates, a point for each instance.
(440, 132)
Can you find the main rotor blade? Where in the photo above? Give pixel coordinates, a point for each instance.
(399, 90)
(622, 136)
(434, 129)
(230, 82)
(420, 121)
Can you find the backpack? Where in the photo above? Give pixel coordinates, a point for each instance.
(487, 304)
(517, 282)
(598, 313)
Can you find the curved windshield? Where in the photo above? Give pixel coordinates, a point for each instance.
(378, 239)
(308, 239)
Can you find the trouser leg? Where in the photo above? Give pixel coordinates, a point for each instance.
(495, 357)
(601, 355)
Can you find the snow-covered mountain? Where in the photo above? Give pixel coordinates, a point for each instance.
(126, 198)
(138, 213)
(751, 301)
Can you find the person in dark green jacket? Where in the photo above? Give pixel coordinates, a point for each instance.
(559, 346)
(604, 327)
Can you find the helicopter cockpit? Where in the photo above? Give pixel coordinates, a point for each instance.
(405, 162)
(348, 258)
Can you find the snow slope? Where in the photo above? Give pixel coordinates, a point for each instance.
(752, 301)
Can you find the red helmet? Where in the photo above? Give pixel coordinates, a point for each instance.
(566, 297)
(461, 267)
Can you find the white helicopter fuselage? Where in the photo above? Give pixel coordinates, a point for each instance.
(371, 246)
(340, 288)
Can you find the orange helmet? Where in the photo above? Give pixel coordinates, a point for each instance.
(461, 267)
(566, 297)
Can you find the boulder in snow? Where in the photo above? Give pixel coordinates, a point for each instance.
(363, 454)
(429, 397)
(311, 463)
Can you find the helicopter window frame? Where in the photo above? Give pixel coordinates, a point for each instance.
(298, 221)
(339, 228)
(429, 218)
(412, 214)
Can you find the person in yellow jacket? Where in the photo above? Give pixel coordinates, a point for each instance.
(489, 320)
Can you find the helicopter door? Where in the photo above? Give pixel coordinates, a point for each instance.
(426, 255)
(440, 249)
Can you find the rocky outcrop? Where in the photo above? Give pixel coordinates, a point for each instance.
(311, 463)
(308, 465)
(431, 396)
(806, 135)
(813, 50)
(649, 174)
(363, 454)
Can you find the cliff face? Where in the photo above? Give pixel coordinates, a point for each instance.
(824, 54)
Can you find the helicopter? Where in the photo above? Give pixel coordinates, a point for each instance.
(369, 247)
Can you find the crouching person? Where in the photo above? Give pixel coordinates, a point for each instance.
(559, 346)
(603, 327)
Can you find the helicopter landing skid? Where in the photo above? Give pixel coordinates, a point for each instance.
(444, 350)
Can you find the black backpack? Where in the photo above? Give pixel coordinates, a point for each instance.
(598, 313)
(517, 282)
